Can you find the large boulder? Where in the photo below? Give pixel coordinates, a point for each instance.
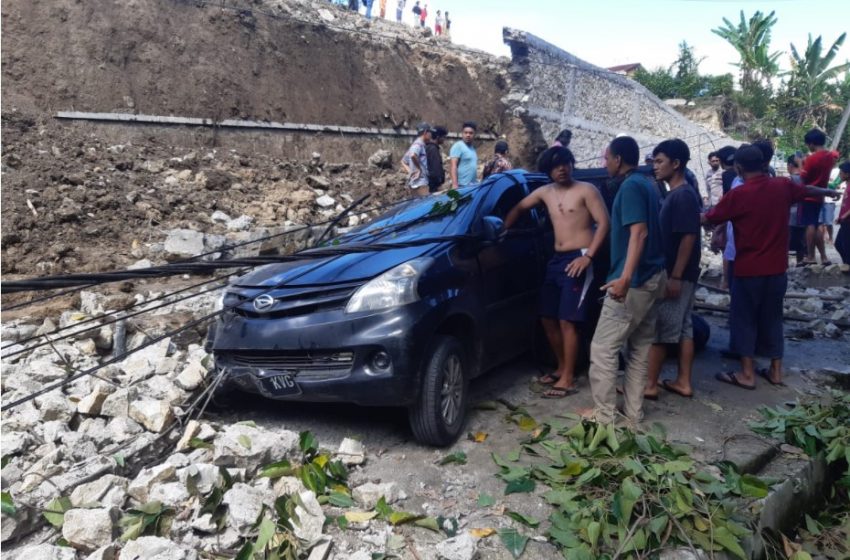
(88, 529)
(247, 446)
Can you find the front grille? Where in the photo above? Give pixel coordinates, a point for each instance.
(304, 365)
(294, 302)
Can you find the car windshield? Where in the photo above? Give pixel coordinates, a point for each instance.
(431, 216)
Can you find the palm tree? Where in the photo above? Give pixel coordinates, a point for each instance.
(810, 74)
(752, 41)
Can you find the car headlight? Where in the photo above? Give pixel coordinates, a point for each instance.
(397, 286)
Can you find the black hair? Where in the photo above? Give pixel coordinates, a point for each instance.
(626, 148)
(766, 147)
(815, 137)
(792, 160)
(712, 154)
(750, 159)
(674, 149)
(439, 131)
(470, 124)
(553, 157)
(501, 147)
(844, 167)
(564, 137)
(724, 153)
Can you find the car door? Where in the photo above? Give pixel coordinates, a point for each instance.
(511, 273)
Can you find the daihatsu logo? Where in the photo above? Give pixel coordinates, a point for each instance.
(263, 302)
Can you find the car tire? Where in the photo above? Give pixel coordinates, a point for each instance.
(438, 416)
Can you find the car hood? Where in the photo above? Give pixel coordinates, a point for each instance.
(341, 269)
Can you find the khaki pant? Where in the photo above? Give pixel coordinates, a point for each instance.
(632, 321)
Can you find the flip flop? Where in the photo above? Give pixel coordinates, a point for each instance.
(559, 392)
(547, 379)
(764, 373)
(666, 385)
(645, 397)
(826, 263)
(730, 378)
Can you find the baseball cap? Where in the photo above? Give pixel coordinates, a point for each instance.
(423, 127)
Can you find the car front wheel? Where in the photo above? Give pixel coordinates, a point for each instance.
(438, 416)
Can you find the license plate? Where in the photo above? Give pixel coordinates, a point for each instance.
(279, 385)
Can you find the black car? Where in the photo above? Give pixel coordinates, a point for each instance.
(407, 326)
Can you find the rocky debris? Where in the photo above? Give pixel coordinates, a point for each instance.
(247, 446)
(309, 518)
(460, 547)
(42, 552)
(192, 376)
(14, 443)
(351, 452)
(325, 201)
(92, 403)
(184, 242)
(242, 223)
(195, 430)
(382, 159)
(88, 529)
(155, 548)
(367, 495)
(154, 415)
(141, 486)
(245, 503)
(202, 477)
(172, 494)
(319, 182)
(108, 552)
(107, 491)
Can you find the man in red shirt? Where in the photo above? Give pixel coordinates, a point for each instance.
(759, 211)
(816, 171)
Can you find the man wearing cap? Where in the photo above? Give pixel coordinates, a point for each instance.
(500, 162)
(580, 221)
(436, 172)
(415, 161)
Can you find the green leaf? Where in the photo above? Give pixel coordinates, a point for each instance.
(308, 444)
(812, 526)
(244, 441)
(519, 486)
(135, 525)
(5, 461)
(402, 517)
(458, 457)
(339, 499)
(428, 523)
(727, 540)
(800, 555)
(672, 467)
(119, 459)
(485, 500)
(752, 486)
(8, 505)
(54, 512)
(277, 470)
(513, 541)
(266, 531)
(449, 525)
(197, 443)
(382, 508)
(593, 530)
(246, 552)
(526, 520)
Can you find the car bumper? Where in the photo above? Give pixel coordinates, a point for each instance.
(332, 358)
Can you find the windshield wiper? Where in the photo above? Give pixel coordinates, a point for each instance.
(339, 218)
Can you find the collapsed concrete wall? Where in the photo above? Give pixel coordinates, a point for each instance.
(552, 90)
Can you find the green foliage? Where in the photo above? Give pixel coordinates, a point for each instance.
(151, 518)
(54, 512)
(751, 38)
(457, 458)
(8, 505)
(618, 493)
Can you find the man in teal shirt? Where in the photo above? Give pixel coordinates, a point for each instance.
(636, 283)
(464, 158)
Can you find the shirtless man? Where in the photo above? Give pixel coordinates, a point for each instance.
(574, 207)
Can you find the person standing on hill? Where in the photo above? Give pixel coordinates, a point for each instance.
(383, 9)
(464, 158)
(713, 166)
(448, 30)
(399, 10)
(842, 239)
(423, 16)
(439, 22)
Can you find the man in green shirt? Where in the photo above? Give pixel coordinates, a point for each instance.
(636, 283)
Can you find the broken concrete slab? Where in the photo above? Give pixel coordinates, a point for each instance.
(192, 376)
(245, 503)
(244, 445)
(155, 548)
(41, 552)
(367, 495)
(460, 547)
(88, 529)
(154, 415)
(308, 519)
(141, 486)
(107, 491)
(351, 452)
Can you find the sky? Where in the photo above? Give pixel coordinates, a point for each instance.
(611, 32)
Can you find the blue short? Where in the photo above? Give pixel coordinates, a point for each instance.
(755, 316)
(810, 213)
(562, 297)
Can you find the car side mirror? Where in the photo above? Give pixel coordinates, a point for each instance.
(492, 228)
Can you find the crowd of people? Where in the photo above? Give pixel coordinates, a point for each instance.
(423, 160)
(649, 233)
(442, 23)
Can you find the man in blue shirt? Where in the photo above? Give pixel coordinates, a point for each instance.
(464, 158)
(636, 282)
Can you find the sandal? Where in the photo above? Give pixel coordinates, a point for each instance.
(665, 384)
(764, 373)
(559, 392)
(730, 378)
(547, 379)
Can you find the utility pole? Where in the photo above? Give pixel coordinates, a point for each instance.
(840, 130)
